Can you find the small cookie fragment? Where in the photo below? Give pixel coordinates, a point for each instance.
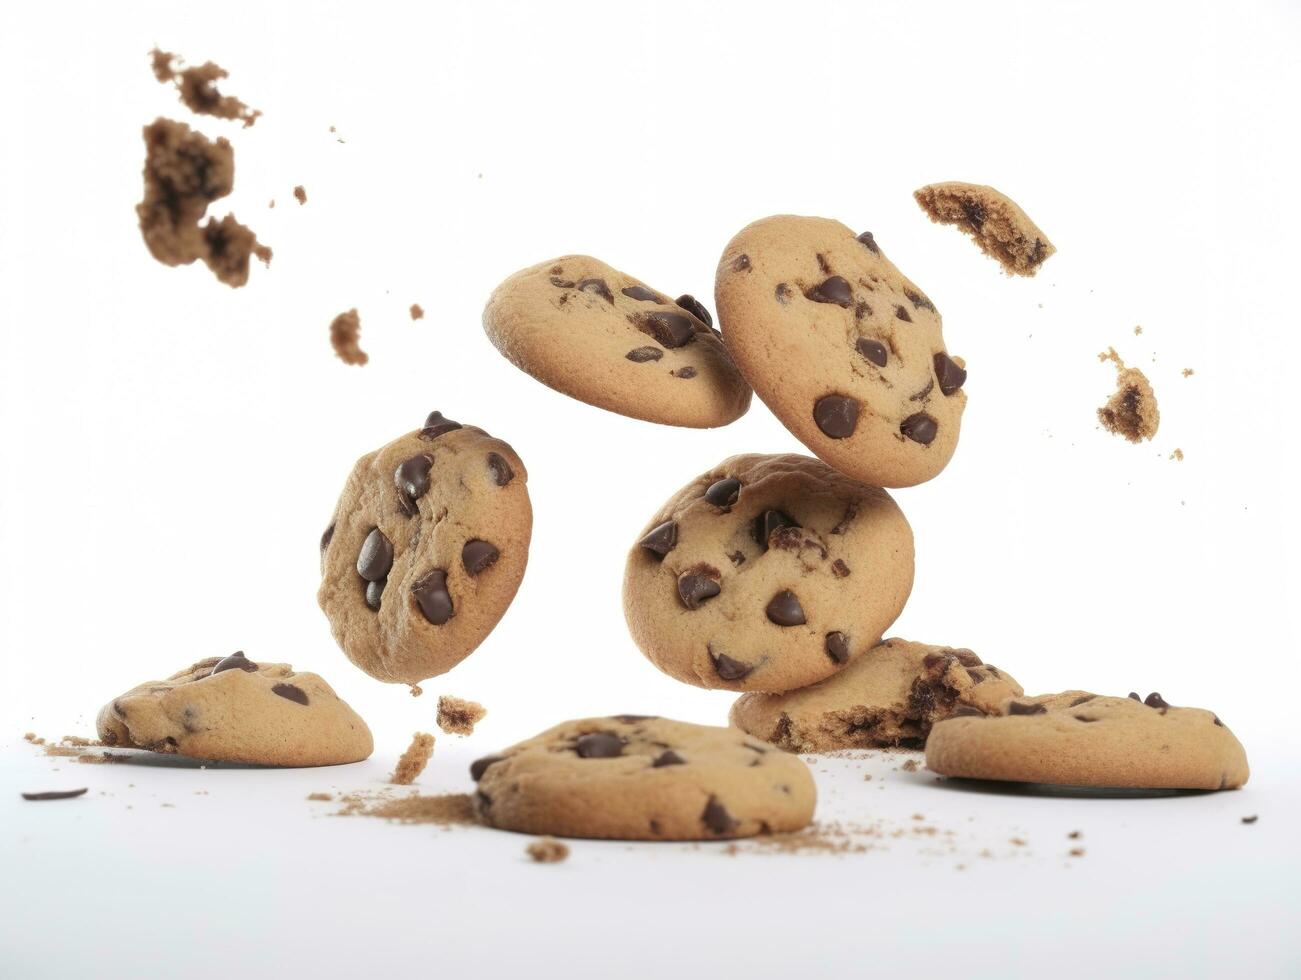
(547, 850)
(300, 194)
(1131, 411)
(345, 338)
(457, 716)
(197, 88)
(993, 220)
(417, 311)
(413, 761)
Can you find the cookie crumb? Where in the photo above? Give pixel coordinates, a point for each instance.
(414, 759)
(992, 219)
(417, 311)
(324, 797)
(1018, 842)
(449, 809)
(58, 794)
(547, 850)
(417, 690)
(197, 88)
(1251, 819)
(1138, 331)
(1076, 852)
(300, 194)
(1075, 834)
(910, 766)
(1188, 372)
(457, 716)
(79, 740)
(1131, 411)
(345, 333)
(1178, 454)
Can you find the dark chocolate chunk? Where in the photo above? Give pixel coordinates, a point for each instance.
(669, 329)
(667, 758)
(1134, 696)
(903, 314)
(784, 609)
(919, 428)
(1216, 719)
(640, 355)
(839, 568)
(436, 426)
(918, 300)
(951, 377)
(432, 597)
(838, 647)
(1025, 708)
(966, 711)
(975, 212)
(833, 290)
(502, 474)
(478, 555)
(412, 475)
(769, 521)
(836, 416)
(599, 745)
(56, 794)
(698, 585)
(598, 287)
(290, 692)
(236, 661)
(642, 293)
(376, 556)
(867, 239)
(374, 593)
(686, 373)
(662, 539)
(1155, 700)
(479, 766)
(872, 350)
(716, 817)
(562, 283)
(695, 308)
(326, 537)
(724, 492)
(783, 293)
(727, 668)
(1084, 718)
(741, 263)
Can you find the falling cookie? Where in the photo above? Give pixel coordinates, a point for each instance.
(231, 709)
(844, 349)
(767, 573)
(634, 777)
(992, 219)
(889, 696)
(607, 339)
(426, 549)
(1080, 739)
(1131, 411)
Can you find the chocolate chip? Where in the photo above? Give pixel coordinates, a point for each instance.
(872, 350)
(502, 474)
(783, 293)
(823, 264)
(966, 711)
(768, 522)
(1024, 708)
(1216, 719)
(290, 692)
(937, 661)
(56, 794)
(727, 668)
(599, 745)
(833, 290)
(724, 492)
(1078, 701)
(1134, 696)
(376, 556)
(668, 758)
(374, 592)
(784, 609)
(975, 212)
(662, 539)
(642, 293)
(918, 300)
(716, 817)
(669, 329)
(737, 557)
(919, 428)
(436, 426)
(236, 661)
(640, 355)
(432, 596)
(903, 314)
(562, 283)
(698, 585)
(326, 537)
(598, 287)
(838, 647)
(478, 555)
(1084, 718)
(412, 475)
(1155, 700)
(695, 308)
(836, 416)
(951, 376)
(839, 568)
(741, 263)
(479, 766)
(867, 239)
(685, 373)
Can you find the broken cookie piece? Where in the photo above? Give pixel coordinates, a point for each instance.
(345, 338)
(197, 87)
(994, 221)
(457, 716)
(547, 850)
(1131, 411)
(413, 761)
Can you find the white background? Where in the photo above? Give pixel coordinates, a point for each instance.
(170, 450)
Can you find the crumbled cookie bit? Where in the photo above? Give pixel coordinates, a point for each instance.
(547, 850)
(61, 751)
(1131, 411)
(58, 794)
(449, 809)
(197, 87)
(97, 758)
(910, 766)
(417, 311)
(1188, 372)
(323, 797)
(300, 194)
(345, 333)
(994, 221)
(414, 759)
(1076, 852)
(32, 737)
(1075, 834)
(417, 690)
(1178, 454)
(1138, 331)
(1251, 819)
(456, 716)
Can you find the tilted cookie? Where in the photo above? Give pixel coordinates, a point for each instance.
(234, 710)
(844, 349)
(1080, 739)
(891, 695)
(993, 220)
(605, 338)
(426, 549)
(634, 777)
(767, 573)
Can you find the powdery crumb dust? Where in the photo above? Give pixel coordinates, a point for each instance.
(448, 809)
(345, 336)
(1131, 411)
(300, 194)
(456, 716)
(417, 311)
(547, 850)
(414, 759)
(197, 87)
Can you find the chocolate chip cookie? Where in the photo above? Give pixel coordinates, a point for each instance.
(844, 349)
(993, 220)
(605, 338)
(889, 696)
(425, 551)
(234, 710)
(1080, 739)
(767, 573)
(633, 777)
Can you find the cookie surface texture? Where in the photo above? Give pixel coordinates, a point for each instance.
(1081, 739)
(767, 573)
(843, 348)
(232, 709)
(601, 336)
(889, 696)
(632, 777)
(426, 550)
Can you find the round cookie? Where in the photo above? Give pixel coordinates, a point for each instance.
(1080, 739)
(889, 696)
(234, 710)
(767, 573)
(634, 777)
(605, 338)
(844, 349)
(426, 549)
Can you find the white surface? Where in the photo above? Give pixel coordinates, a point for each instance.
(172, 450)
